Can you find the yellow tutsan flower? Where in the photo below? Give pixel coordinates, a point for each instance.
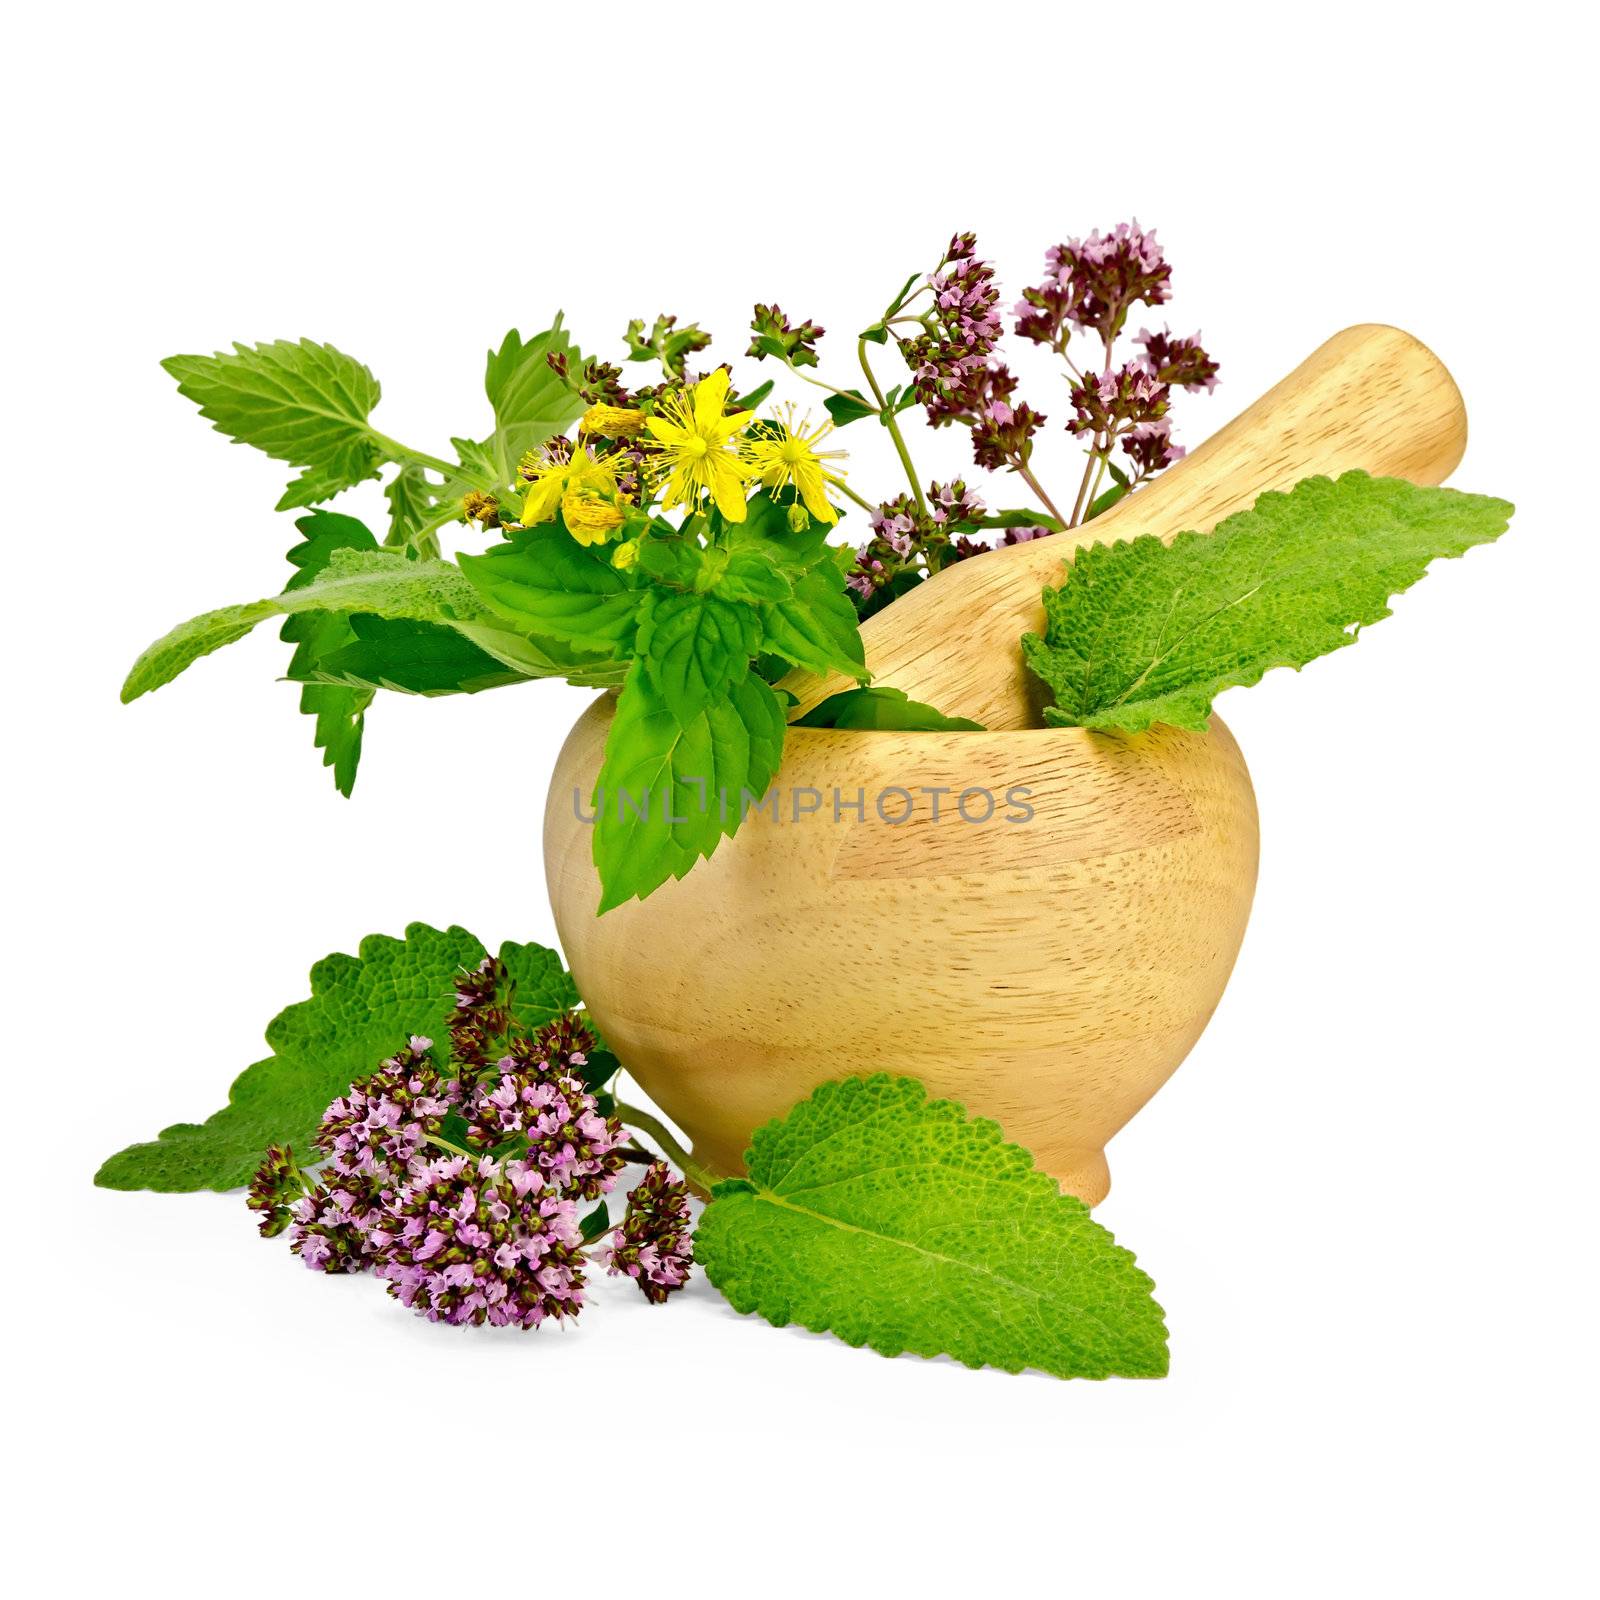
(554, 482)
(788, 454)
(590, 517)
(612, 422)
(691, 445)
(625, 555)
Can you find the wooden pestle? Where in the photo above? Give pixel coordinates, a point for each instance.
(1371, 397)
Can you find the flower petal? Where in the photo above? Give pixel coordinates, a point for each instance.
(727, 487)
(710, 394)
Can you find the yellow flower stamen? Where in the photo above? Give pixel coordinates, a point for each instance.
(553, 481)
(691, 446)
(590, 517)
(790, 456)
(481, 508)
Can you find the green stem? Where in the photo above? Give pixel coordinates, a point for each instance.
(866, 505)
(444, 1144)
(819, 383)
(425, 539)
(691, 1169)
(1083, 487)
(446, 469)
(1033, 483)
(890, 422)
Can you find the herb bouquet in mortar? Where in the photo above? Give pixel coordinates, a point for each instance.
(975, 743)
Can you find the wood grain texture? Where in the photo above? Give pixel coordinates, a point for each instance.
(1371, 397)
(1049, 973)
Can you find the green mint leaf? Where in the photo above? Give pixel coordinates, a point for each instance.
(362, 1008)
(681, 563)
(554, 588)
(532, 402)
(545, 658)
(1144, 632)
(753, 575)
(891, 1220)
(883, 710)
(816, 626)
(339, 710)
(383, 582)
(849, 407)
(694, 646)
(668, 791)
(410, 658)
(298, 401)
(766, 532)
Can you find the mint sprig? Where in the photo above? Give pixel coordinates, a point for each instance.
(672, 787)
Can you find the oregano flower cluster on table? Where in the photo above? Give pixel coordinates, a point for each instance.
(486, 1229)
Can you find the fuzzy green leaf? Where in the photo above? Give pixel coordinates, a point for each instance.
(362, 1008)
(382, 582)
(300, 402)
(1143, 632)
(891, 1220)
(882, 709)
(668, 792)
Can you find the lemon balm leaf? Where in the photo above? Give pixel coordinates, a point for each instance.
(362, 1009)
(891, 1220)
(1144, 632)
(382, 582)
(299, 401)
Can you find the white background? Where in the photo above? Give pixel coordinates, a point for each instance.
(1368, 1197)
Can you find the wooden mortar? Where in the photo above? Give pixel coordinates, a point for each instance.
(1051, 973)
